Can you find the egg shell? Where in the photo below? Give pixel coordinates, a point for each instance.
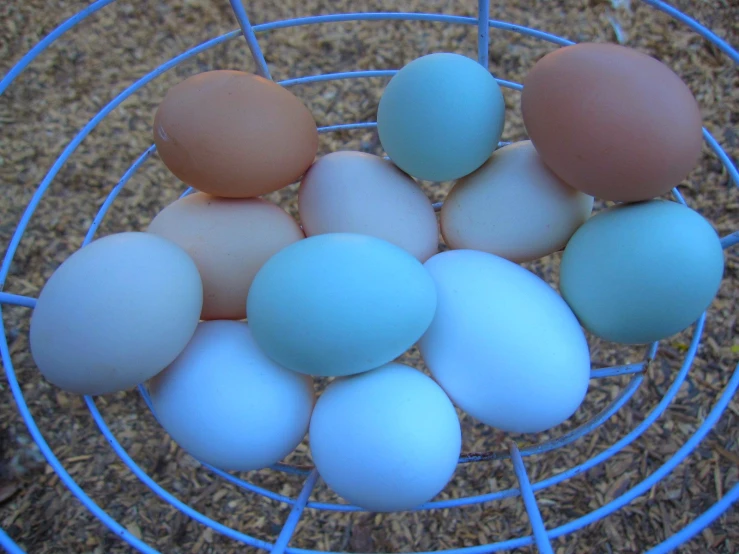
(638, 273)
(504, 345)
(385, 440)
(513, 206)
(227, 404)
(234, 134)
(441, 116)
(115, 313)
(229, 239)
(339, 304)
(354, 192)
(611, 121)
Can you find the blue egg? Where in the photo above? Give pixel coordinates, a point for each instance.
(638, 273)
(440, 117)
(340, 304)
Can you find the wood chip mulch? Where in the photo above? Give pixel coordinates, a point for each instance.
(75, 78)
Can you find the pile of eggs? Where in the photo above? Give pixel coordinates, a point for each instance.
(227, 309)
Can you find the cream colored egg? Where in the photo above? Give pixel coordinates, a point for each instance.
(355, 192)
(229, 239)
(514, 207)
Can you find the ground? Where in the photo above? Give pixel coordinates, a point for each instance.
(64, 88)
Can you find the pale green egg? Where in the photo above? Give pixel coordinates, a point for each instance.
(638, 273)
(340, 304)
(440, 117)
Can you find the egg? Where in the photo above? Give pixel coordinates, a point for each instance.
(234, 134)
(513, 206)
(229, 239)
(340, 304)
(228, 405)
(638, 273)
(385, 440)
(115, 313)
(503, 344)
(441, 116)
(612, 122)
(354, 192)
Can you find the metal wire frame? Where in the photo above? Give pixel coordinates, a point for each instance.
(541, 536)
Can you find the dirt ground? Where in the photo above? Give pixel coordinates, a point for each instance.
(64, 88)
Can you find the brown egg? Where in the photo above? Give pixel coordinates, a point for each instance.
(612, 122)
(229, 240)
(234, 134)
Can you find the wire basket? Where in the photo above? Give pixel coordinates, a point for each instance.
(542, 535)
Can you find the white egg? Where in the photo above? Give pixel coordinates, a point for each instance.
(385, 440)
(514, 207)
(115, 313)
(503, 344)
(356, 192)
(227, 404)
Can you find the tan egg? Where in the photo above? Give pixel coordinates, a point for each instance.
(355, 192)
(513, 207)
(234, 134)
(611, 121)
(229, 240)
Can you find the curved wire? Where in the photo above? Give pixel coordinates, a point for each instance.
(703, 31)
(115, 102)
(722, 156)
(699, 523)
(436, 505)
(573, 435)
(9, 544)
(83, 133)
(623, 397)
(45, 42)
(162, 492)
(720, 507)
(16, 70)
(114, 193)
(665, 469)
(412, 16)
(54, 462)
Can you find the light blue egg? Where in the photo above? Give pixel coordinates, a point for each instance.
(440, 117)
(339, 304)
(638, 273)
